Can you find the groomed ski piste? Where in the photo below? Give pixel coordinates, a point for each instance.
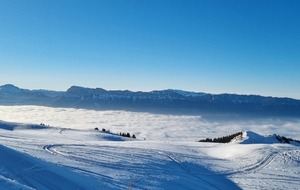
(37, 156)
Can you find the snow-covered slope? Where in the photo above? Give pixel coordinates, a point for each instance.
(21, 171)
(44, 157)
(251, 137)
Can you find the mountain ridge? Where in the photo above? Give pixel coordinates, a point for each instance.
(168, 101)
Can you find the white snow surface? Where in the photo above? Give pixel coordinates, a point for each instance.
(72, 155)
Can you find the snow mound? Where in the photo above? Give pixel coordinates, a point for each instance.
(229, 150)
(251, 137)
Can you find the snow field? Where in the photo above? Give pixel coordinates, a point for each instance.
(79, 157)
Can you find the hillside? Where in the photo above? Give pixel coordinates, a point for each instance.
(41, 157)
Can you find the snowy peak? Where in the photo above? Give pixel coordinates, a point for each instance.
(251, 137)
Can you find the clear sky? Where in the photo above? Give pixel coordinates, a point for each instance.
(215, 46)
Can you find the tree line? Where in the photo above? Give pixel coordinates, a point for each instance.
(128, 135)
(225, 139)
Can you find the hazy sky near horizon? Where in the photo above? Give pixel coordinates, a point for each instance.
(215, 46)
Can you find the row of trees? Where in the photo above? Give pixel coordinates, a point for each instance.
(283, 139)
(127, 135)
(120, 134)
(225, 139)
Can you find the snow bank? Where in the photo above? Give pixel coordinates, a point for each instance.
(229, 150)
(21, 171)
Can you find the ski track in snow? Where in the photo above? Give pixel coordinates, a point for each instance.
(109, 152)
(255, 167)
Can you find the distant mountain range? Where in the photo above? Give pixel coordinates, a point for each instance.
(164, 101)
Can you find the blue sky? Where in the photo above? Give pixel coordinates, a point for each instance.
(216, 46)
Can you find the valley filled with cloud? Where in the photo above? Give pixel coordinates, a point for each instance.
(147, 125)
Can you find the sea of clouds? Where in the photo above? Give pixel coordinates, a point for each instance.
(147, 125)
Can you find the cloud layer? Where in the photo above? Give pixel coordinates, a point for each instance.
(146, 125)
